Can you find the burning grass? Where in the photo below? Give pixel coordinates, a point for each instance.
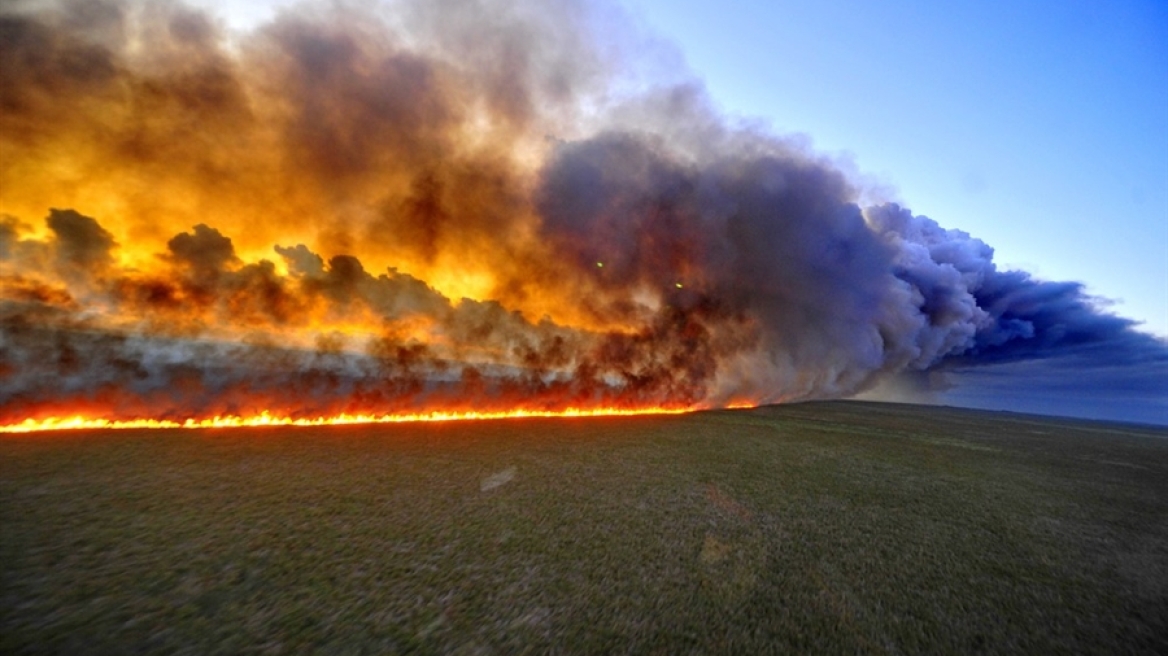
(838, 527)
(79, 422)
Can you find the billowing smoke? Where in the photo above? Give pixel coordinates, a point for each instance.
(451, 204)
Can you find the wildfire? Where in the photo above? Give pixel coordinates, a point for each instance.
(267, 419)
(378, 214)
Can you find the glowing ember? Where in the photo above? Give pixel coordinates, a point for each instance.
(266, 419)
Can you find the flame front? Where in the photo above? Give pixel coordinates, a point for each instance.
(266, 419)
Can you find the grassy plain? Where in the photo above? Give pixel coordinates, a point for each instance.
(839, 527)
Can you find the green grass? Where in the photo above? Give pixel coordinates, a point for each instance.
(826, 528)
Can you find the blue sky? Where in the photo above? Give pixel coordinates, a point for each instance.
(1039, 127)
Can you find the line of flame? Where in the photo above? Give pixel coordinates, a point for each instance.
(267, 419)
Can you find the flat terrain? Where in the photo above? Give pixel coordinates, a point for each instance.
(826, 527)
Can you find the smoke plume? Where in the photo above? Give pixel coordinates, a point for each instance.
(456, 205)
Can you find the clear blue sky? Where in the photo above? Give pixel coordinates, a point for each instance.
(1040, 127)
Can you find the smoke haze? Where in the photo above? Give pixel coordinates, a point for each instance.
(456, 205)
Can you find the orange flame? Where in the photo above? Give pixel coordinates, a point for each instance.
(267, 419)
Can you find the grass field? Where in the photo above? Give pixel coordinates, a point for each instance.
(815, 528)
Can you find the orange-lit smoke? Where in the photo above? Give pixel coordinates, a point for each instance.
(333, 215)
(432, 206)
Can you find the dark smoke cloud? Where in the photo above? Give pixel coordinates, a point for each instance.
(990, 316)
(268, 223)
(81, 242)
